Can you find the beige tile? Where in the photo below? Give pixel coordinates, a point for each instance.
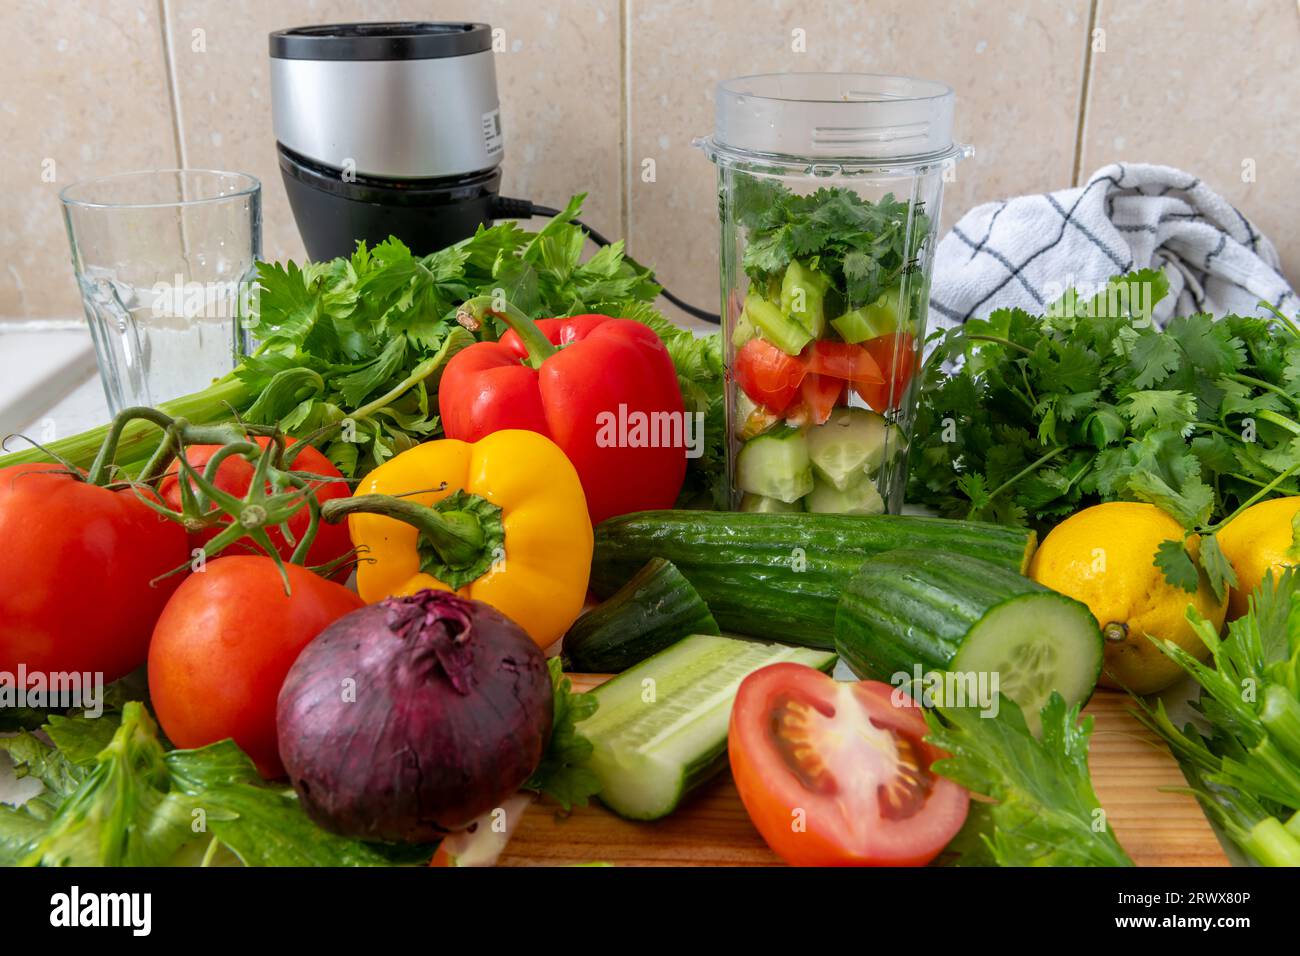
(1016, 67)
(558, 81)
(1204, 87)
(82, 87)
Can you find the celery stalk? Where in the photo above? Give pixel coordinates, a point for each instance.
(1280, 715)
(1293, 825)
(1269, 842)
(218, 402)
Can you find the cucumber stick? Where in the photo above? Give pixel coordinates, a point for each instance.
(661, 727)
(655, 609)
(955, 613)
(779, 576)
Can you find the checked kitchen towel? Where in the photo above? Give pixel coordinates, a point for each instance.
(1026, 251)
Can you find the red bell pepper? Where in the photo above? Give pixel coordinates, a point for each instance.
(596, 386)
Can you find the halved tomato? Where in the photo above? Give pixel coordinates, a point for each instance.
(838, 773)
(770, 377)
(852, 363)
(895, 357)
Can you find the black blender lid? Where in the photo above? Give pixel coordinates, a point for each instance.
(405, 40)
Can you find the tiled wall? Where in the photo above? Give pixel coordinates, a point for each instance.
(590, 89)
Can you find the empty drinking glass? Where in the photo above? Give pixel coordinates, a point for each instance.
(166, 264)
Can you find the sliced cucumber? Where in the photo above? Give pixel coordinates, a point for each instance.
(956, 614)
(661, 727)
(850, 446)
(862, 498)
(785, 333)
(1036, 643)
(760, 504)
(654, 610)
(775, 465)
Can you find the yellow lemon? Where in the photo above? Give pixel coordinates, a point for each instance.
(1104, 556)
(1256, 541)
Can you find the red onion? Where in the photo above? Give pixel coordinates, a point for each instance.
(409, 718)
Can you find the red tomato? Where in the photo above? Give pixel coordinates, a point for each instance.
(75, 592)
(236, 474)
(836, 774)
(895, 356)
(852, 363)
(224, 644)
(770, 377)
(821, 393)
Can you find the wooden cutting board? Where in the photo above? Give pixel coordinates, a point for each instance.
(1129, 767)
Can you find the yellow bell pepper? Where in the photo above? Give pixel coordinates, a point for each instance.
(502, 520)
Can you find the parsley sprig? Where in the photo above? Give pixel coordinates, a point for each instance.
(1045, 811)
(1045, 415)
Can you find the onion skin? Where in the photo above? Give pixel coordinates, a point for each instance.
(410, 718)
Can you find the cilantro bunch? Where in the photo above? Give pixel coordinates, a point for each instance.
(1026, 419)
(863, 246)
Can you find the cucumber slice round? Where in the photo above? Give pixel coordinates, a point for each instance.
(952, 613)
(850, 446)
(1035, 643)
(775, 465)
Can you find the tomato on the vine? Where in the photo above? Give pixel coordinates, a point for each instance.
(82, 578)
(235, 475)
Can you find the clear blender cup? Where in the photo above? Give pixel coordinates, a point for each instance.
(829, 191)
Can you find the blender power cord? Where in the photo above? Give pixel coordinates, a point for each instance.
(507, 208)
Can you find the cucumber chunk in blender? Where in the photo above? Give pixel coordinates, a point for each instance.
(761, 504)
(870, 321)
(775, 326)
(850, 446)
(803, 296)
(775, 465)
(860, 499)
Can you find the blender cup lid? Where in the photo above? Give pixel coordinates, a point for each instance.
(853, 117)
(400, 40)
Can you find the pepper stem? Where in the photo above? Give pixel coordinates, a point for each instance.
(539, 347)
(457, 536)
